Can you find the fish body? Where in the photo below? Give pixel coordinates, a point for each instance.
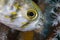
(22, 15)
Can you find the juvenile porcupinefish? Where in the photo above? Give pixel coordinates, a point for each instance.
(23, 15)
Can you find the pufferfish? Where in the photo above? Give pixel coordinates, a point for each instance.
(22, 15)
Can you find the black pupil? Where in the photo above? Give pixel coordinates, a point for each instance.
(31, 14)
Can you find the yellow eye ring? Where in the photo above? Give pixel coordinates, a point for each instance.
(32, 14)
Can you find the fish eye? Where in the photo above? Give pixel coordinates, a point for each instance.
(32, 14)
